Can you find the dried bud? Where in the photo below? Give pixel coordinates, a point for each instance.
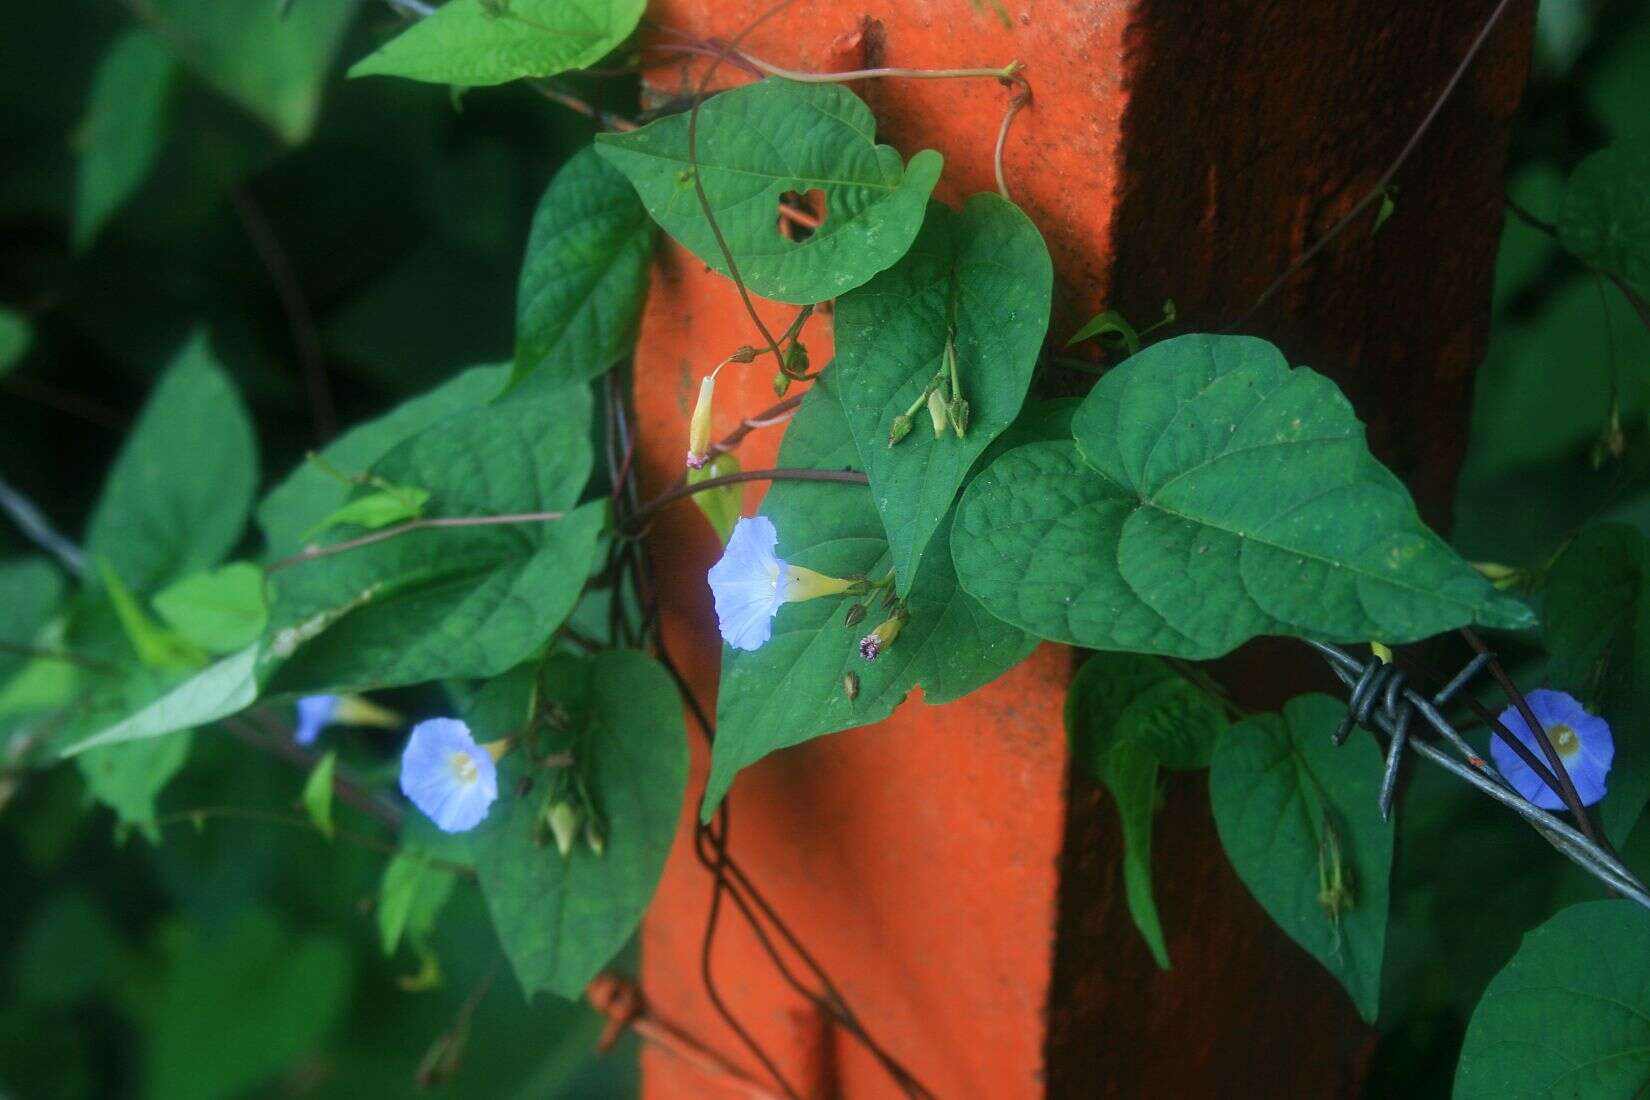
(958, 413)
(850, 686)
(746, 354)
(899, 429)
(856, 615)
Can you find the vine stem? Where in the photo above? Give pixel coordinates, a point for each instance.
(1022, 98)
(1640, 305)
(1380, 186)
(800, 76)
(670, 496)
(315, 552)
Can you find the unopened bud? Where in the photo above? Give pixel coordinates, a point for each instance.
(936, 412)
(746, 354)
(698, 452)
(593, 837)
(899, 429)
(958, 412)
(850, 686)
(1503, 577)
(564, 819)
(856, 615)
(781, 383)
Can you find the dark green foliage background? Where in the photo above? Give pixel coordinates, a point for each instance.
(404, 222)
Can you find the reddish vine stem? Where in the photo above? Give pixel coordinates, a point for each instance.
(670, 496)
(1566, 788)
(1640, 305)
(314, 553)
(1380, 186)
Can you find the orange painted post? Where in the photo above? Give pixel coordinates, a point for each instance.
(943, 867)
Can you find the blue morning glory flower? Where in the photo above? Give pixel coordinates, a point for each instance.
(751, 582)
(447, 775)
(1583, 742)
(315, 713)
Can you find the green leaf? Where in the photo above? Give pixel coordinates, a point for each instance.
(238, 1009)
(31, 593)
(982, 278)
(412, 894)
(1127, 716)
(584, 279)
(469, 601)
(754, 145)
(559, 919)
(1570, 1014)
(376, 509)
(792, 689)
(1278, 786)
(309, 495)
(478, 42)
(1112, 329)
(221, 610)
(122, 130)
(128, 777)
(16, 336)
(1605, 216)
(1212, 495)
(1597, 620)
(157, 647)
(721, 506)
(271, 62)
(222, 689)
(177, 498)
(317, 794)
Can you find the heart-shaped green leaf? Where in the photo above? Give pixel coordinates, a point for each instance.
(757, 143)
(561, 918)
(468, 601)
(794, 688)
(472, 43)
(584, 280)
(1298, 819)
(1605, 217)
(981, 279)
(1212, 495)
(1570, 1014)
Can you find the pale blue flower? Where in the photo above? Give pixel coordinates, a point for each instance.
(315, 713)
(751, 582)
(447, 775)
(1583, 742)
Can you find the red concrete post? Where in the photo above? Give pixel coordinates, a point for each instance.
(958, 884)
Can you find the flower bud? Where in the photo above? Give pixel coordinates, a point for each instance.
(958, 413)
(745, 354)
(856, 615)
(936, 412)
(796, 359)
(564, 819)
(850, 686)
(593, 837)
(899, 429)
(698, 452)
(781, 383)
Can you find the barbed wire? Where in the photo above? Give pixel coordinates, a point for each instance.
(1382, 702)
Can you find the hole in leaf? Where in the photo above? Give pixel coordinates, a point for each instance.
(801, 215)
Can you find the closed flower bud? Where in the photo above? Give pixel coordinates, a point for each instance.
(796, 359)
(855, 616)
(698, 452)
(900, 428)
(781, 383)
(850, 686)
(936, 412)
(959, 416)
(564, 820)
(746, 354)
(593, 837)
